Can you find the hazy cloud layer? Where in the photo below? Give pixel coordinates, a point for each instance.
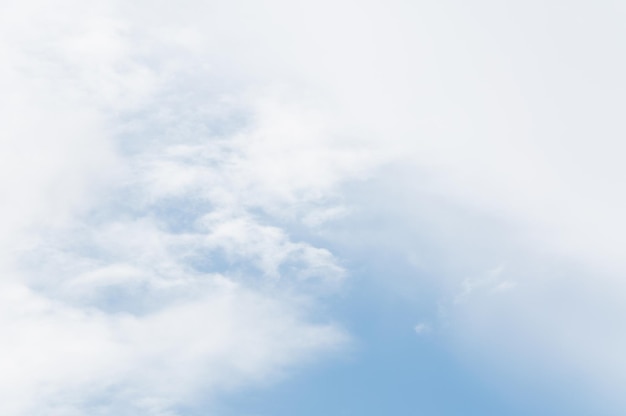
(145, 267)
(156, 156)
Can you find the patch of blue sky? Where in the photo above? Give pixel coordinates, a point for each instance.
(188, 112)
(394, 370)
(179, 215)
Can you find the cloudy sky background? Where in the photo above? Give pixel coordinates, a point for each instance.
(302, 208)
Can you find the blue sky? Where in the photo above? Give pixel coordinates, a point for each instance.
(393, 367)
(299, 208)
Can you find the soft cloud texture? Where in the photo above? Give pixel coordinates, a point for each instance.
(144, 264)
(156, 157)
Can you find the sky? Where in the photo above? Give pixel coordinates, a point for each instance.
(268, 208)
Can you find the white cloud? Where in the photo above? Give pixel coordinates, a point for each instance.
(145, 257)
(422, 328)
(515, 158)
(154, 154)
(66, 359)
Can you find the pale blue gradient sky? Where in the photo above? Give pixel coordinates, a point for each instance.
(294, 208)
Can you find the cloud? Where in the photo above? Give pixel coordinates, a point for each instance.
(422, 328)
(157, 157)
(58, 358)
(146, 258)
(514, 162)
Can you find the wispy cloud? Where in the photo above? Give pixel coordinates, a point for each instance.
(148, 262)
(158, 158)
